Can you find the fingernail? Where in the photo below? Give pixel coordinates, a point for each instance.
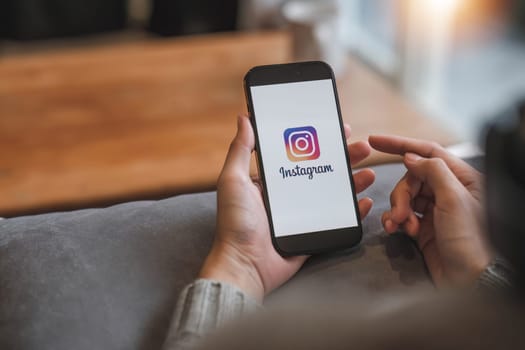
(412, 157)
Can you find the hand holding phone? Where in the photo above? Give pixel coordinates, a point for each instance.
(242, 253)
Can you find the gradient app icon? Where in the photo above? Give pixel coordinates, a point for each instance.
(301, 143)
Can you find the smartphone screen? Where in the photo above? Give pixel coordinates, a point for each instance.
(305, 165)
(302, 156)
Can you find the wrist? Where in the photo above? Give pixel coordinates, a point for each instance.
(227, 264)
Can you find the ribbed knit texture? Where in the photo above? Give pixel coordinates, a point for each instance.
(498, 276)
(203, 306)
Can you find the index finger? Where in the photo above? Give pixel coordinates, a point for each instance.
(428, 149)
(401, 145)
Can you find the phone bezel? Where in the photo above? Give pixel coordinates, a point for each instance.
(308, 242)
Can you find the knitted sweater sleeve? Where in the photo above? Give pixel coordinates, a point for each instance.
(498, 276)
(203, 306)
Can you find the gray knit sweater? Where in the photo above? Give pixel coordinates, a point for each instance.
(205, 305)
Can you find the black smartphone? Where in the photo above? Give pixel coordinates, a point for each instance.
(302, 158)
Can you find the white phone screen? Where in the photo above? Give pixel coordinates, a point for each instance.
(306, 173)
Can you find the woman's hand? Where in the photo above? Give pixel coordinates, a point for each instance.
(438, 203)
(242, 253)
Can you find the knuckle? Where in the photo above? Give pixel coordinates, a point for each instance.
(398, 189)
(234, 144)
(434, 148)
(227, 177)
(435, 145)
(437, 164)
(392, 197)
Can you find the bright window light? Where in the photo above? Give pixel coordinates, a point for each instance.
(442, 7)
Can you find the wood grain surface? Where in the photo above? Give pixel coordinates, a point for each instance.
(92, 127)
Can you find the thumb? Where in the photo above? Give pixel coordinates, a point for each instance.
(239, 155)
(434, 172)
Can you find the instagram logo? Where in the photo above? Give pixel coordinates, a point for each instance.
(301, 143)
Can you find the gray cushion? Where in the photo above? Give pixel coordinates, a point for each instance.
(109, 278)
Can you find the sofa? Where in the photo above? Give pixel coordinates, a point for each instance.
(109, 278)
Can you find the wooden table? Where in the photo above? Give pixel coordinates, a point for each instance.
(92, 127)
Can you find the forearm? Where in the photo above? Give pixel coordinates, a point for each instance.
(203, 306)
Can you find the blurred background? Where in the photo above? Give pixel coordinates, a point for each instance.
(459, 60)
(104, 101)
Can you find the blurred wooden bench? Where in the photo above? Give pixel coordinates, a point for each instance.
(92, 127)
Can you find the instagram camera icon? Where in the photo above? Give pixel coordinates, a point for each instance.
(301, 143)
